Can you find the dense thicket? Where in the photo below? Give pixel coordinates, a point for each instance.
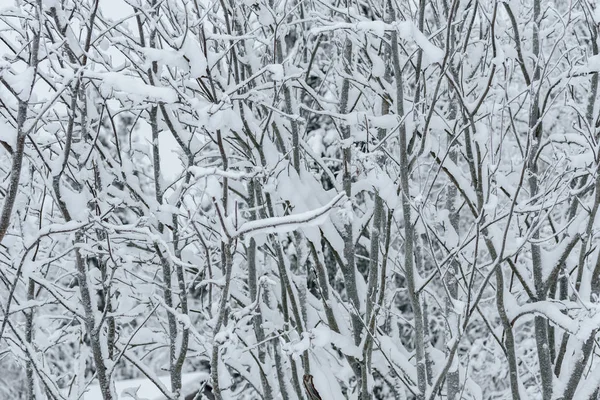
(370, 199)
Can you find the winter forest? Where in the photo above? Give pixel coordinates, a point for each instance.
(299, 199)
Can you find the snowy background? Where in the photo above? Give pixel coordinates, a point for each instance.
(299, 199)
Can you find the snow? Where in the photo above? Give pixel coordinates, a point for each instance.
(113, 9)
(276, 71)
(326, 382)
(389, 121)
(171, 166)
(134, 87)
(377, 27)
(322, 336)
(593, 63)
(76, 202)
(193, 52)
(492, 203)
(53, 228)
(588, 386)
(550, 310)
(115, 210)
(395, 352)
(145, 389)
(316, 143)
(21, 83)
(287, 223)
(451, 237)
(168, 57)
(201, 172)
(407, 29)
(8, 134)
(432, 54)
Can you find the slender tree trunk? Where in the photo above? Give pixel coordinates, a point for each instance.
(409, 234)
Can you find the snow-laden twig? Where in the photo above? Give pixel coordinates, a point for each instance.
(287, 223)
(202, 172)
